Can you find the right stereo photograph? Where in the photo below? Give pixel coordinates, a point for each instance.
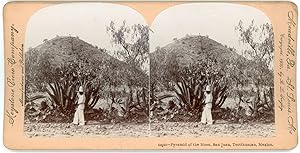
(211, 72)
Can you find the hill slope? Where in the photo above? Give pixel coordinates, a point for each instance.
(192, 48)
(66, 51)
(63, 49)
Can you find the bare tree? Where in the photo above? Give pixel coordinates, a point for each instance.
(134, 51)
(260, 40)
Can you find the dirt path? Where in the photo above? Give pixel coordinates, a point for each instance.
(192, 129)
(162, 129)
(92, 129)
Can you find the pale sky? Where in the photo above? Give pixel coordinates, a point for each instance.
(217, 20)
(89, 21)
(86, 20)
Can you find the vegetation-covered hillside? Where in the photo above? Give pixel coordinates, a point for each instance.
(59, 66)
(184, 67)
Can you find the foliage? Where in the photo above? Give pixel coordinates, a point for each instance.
(42, 112)
(188, 82)
(134, 43)
(60, 71)
(60, 65)
(187, 65)
(134, 48)
(260, 40)
(62, 95)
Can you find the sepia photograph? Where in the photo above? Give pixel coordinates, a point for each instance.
(87, 72)
(199, 70)
(211, 72)
(150, 75)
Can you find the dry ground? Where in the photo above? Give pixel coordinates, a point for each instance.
(162, 129)
(221, 129)
(91, 129)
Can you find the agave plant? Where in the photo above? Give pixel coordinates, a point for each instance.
(189, 91)
(190, 94)
(92, 95)
(63, 95)
(136, 103)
